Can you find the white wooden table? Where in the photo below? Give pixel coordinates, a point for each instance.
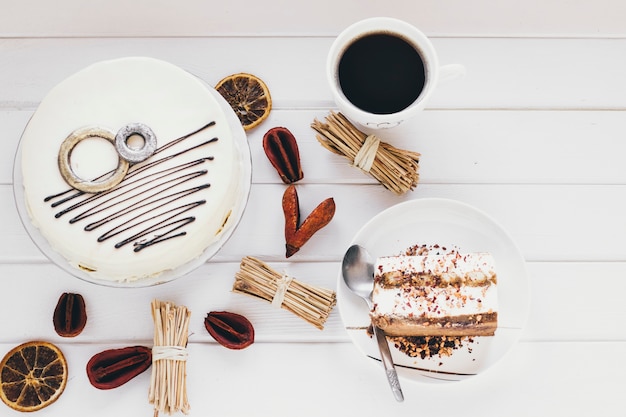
(534, 135)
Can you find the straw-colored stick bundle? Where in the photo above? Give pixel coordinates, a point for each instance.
(257, 278)
(396, 169)
(168, 384)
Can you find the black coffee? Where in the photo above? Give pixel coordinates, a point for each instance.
(381, 73)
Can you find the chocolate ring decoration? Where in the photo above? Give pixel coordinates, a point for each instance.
(66, 168)
(133, 155)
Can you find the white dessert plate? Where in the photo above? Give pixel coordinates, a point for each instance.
(245, 179)
(450, 224)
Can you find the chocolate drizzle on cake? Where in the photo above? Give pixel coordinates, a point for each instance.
(151, 204)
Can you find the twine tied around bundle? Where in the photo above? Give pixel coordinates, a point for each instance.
(175, 353)
(279, 296)
(396, 169)
(364, 158)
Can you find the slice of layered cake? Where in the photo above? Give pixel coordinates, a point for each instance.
(451, 294)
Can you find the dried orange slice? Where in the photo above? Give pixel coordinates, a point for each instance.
(32, 376)
(248, 96)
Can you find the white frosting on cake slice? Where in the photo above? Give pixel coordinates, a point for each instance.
(170, 207)
(451, 294)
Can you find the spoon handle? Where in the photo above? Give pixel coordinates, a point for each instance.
(390, 369)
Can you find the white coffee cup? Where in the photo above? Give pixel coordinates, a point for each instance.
(433, 73)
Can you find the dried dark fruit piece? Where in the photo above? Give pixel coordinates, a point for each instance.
(70, 315)
(33, 375)
(248, 96)
(114, 367)
(296, 234)
(230, 330)
(281, 149)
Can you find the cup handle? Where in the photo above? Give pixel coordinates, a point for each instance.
(450, 72)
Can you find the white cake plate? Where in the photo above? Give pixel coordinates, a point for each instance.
(245, 180)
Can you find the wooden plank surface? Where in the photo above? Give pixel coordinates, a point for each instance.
(548, 222)
(533, 135)
(117, 18)
(485, 146)
(316, 379)
(558, 289)
(502, 73)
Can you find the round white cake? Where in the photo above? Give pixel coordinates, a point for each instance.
(167, 209)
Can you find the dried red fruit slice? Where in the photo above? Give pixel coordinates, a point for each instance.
(230, 330)
(70, 315)
(281, 149)
(114, 367)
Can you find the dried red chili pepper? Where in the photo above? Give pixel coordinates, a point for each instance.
(296, 234)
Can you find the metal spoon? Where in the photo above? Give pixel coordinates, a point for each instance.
(358, 274)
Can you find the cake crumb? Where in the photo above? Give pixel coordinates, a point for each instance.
(430, 346)
(425, 250)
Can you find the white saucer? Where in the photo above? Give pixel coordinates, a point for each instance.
(452, 224)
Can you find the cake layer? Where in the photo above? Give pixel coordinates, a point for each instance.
(433, 302)
(453, 294)
(453, 268)
(484, 324)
